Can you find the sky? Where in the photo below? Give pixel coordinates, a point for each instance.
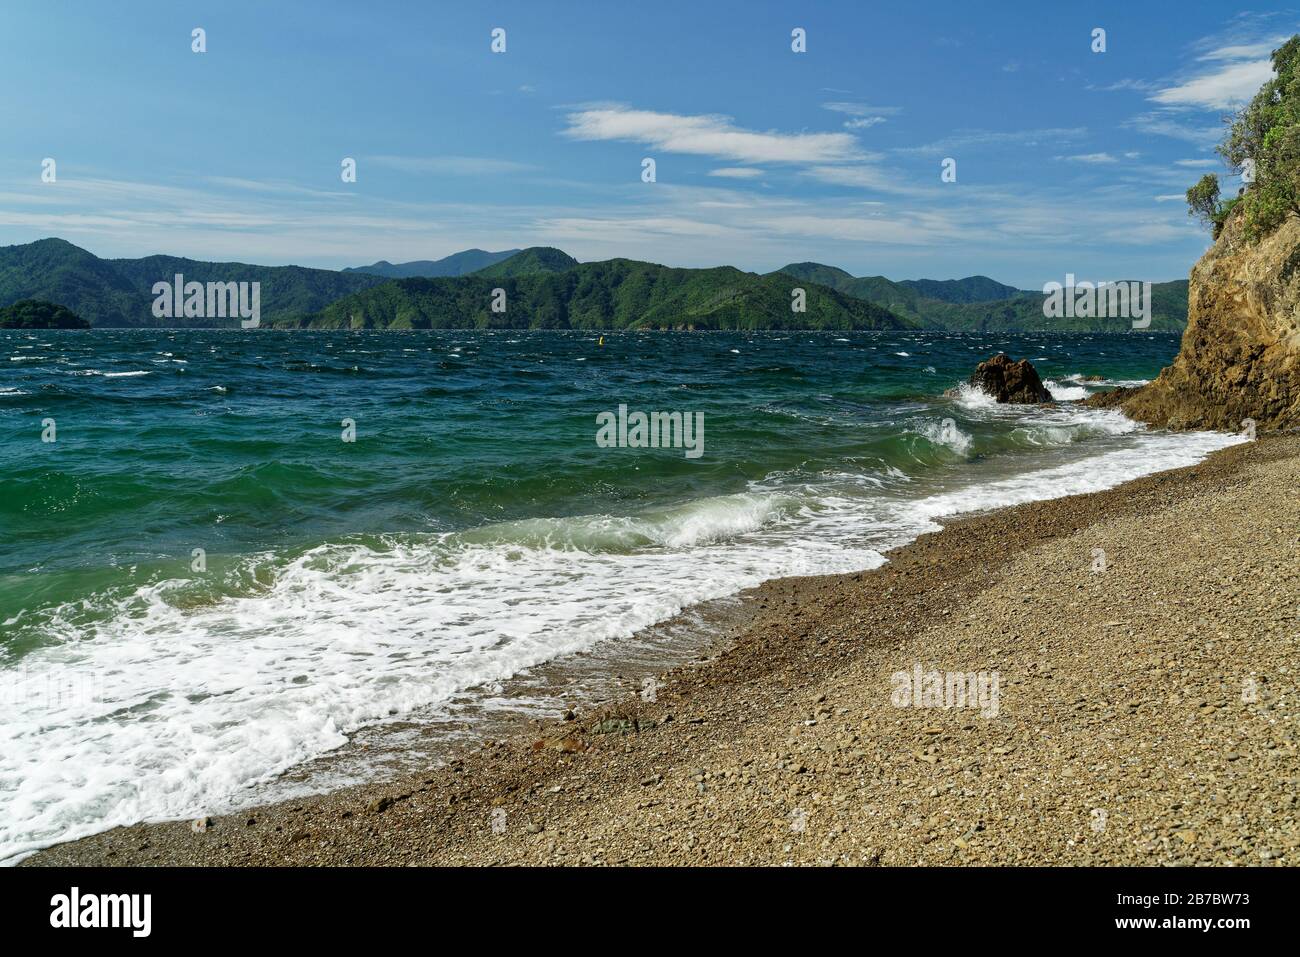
(1067, 160)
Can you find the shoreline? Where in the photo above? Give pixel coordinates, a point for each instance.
(783, 747)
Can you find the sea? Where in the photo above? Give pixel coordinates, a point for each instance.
(226, 555)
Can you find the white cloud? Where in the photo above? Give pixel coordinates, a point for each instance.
(1246, 51)
(1144, 86)
(1089, 158)
(736, 172)
(862, 115)
(861, 109)
(1163, 124)
(1196, 163)
(1238, 70)
(708, 135)
(1219, 89)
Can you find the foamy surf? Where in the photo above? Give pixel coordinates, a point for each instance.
(132, 689)
(154, 705)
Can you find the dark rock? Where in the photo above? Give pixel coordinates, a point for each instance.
(1008, 381)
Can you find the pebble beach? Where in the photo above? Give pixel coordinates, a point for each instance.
(1144, 644)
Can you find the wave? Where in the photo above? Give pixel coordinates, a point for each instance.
(174, 698)
(1066, 393)
(339, 637)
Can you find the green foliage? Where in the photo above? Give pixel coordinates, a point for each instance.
(1006, 310)
(529, 262)
(119, 292)
(1266, 134)
(457, 264)
(617, 294)
(38, 314)
(1203, 203)
(970, 289)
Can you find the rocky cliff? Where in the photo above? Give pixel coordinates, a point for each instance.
(1240, 355)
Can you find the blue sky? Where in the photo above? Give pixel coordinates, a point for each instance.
(1067, 160)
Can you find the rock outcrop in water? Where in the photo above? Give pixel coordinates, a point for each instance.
(1240, 355)
(1009, 381)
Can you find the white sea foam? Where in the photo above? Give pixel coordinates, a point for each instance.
(1155, 452)
(946, 433)
(1066, 393)
(971, 397)
(192, 705)
(151, 706)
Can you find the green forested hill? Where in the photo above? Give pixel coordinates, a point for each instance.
(918, 300)
(616, 294)
(547, 288)
(38, 314)
(457, 264)
(119, 292)
(529, 262)
(970, 289)
(57, 271)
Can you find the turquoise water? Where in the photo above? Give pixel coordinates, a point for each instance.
(474, 527)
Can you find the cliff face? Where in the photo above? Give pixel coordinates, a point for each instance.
(1240, 355)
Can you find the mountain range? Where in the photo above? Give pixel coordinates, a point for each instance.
(546, 288)
(615, 294)
(983, 304)
(457, 264)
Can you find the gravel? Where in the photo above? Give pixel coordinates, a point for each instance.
(1146, 714)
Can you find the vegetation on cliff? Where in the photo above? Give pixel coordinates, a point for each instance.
(1263, 146)
(1239, 363)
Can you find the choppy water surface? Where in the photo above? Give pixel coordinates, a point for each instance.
(473, 530)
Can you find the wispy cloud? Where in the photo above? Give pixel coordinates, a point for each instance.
(861, 109)
(1142, 86)
(1222, 88)
(862, 116)
(981, 138)
(1164, 124)
(863, 177)
(863, 122)
(737, 172)
(450, 165)
(279, 188)
(1232, 73)
(708, 135)
(1089, 158)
